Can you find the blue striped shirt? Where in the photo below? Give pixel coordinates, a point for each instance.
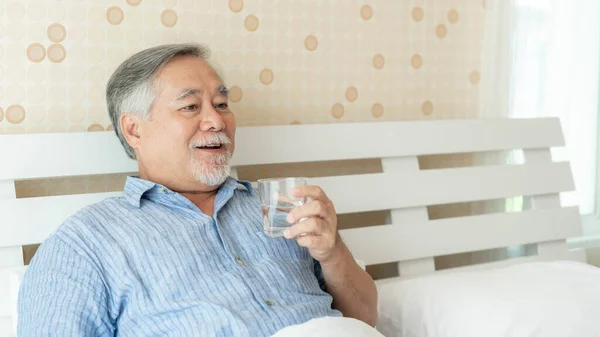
(150, 263)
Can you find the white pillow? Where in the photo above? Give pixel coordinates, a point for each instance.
(15, 276)
(531, 299)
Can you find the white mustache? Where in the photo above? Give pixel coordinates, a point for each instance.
(212, 139)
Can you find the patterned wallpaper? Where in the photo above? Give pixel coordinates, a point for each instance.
(285, 61)
(292, 61)
(296, 61)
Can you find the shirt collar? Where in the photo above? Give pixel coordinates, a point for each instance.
(135, 188)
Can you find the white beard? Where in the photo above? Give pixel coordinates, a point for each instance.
(214, 171)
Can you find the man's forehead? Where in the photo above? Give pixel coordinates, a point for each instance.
(190, 86)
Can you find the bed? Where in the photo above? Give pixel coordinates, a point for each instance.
(410, 239)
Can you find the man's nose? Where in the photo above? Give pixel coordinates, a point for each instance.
(211, 119)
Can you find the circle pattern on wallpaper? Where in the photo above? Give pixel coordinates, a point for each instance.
(16, 31)
(36, 13)
(251, 23)
(311, 43)
(15, 11)
(441, 31)
(57, 94)
(36, 115)
(15, 114)
(36, 52)
(418, 14)
(57, 73)
(235, 94)
(96, 113)
(16, 93)
(474, 77)
(377, 110)
(56, 114)
(1, 114)
(366, 12)
(100, 31)
(114, 15)
(57, 12)
(168, 18)
(36, 94)
(351, 94)
(295, 122)
(95, 127)
(96, 74)
(453, 16)
(133, 2)
(236, 6)
(169, 3)
(76, 113)
(378, 61)
(427, 108)
(266, 76)
(416, 61)
(76, 128)
(77, 94)
(57, 53)
(337, 111)
(56, 32)
(16, 74)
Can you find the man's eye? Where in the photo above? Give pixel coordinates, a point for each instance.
(192, 107)
(222, 106)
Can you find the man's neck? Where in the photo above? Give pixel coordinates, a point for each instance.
(202, 196)
(205, 201)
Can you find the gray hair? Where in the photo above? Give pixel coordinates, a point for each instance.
(131, 87)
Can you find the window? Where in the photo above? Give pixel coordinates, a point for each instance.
(555, 71)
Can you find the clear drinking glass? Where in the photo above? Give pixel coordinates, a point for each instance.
(276, 201)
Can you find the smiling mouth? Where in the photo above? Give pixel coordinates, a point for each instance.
(210, 147)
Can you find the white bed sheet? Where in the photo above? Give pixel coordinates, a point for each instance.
(329, 327)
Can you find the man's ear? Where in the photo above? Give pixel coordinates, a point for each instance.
(130, 127)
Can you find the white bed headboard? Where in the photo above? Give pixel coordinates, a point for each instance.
(411, 239)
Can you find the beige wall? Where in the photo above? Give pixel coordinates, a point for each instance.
(296, 61)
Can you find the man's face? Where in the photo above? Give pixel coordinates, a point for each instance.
(190, 135)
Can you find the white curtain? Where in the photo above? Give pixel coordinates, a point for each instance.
(542, 59)
(497, 58)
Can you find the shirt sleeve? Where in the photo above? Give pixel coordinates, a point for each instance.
(319, 275)
(62, 294)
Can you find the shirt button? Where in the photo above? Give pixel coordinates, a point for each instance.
(239, 261)
(270, 303)
(163, 190)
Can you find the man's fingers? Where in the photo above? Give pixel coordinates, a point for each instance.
(314, 208)
(310, 241)
(309, 191)
(311, 226)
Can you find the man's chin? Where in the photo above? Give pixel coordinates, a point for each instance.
(215, 176)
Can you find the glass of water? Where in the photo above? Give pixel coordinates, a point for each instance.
(276, 201)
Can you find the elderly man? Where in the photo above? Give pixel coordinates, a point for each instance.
(182, 252)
